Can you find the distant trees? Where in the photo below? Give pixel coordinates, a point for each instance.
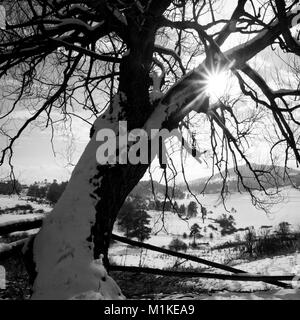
(182, 210)
(10, 187)
(266, 242)
(125, 217)
(49, 191)
(134, 221)
(55, 191)
(178, 245)
(250, 238)
(175, 207)
(147, 188)
(139, 229)
(152, 205)
(157, 205)
(139, 203)
(178, 194)
(283, 230)
(36, 191)
(192, 209)
(227, 224)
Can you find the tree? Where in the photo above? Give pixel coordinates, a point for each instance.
(227, 223)
(195, 232)
(178, 245)
(182, 210)
(175, 207)
(148, 63)
(167, 206)
(10, 187)
(133, 221)
(139, 203)
(152, 205)
(250, 238)
(283, 230)
(139, 228)
(126, 216)
(158, 205)
(192, 209)
(55, 191)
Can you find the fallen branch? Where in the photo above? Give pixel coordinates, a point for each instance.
(191, 258)
(14, 226)
(8, 250)
(192, 274)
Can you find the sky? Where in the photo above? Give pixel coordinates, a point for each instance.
(36, 158)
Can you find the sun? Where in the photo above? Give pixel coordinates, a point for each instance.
(216, 85)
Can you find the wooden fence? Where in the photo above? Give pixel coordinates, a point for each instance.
(9, 249)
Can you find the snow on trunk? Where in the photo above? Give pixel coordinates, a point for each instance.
(64, 259)
(63, 255)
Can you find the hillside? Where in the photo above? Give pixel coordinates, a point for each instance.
(270, 177)
(145, 189)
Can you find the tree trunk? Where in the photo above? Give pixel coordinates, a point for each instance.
(78, 230)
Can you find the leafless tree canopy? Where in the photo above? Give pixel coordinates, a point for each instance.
(64, 55)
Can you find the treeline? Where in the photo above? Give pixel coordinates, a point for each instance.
(145, 189)
(10, 187)
(233, 186)
(266, 241)
(46, 191)
(134, 220)
(50, 192)
(190, 211)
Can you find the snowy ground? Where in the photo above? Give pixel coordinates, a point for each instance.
(246, 215)
(284, 294)
(279, 265)
(12, 201)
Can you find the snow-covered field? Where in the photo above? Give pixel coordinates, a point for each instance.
(279, 265)
(238, 290)
(247, 215)
(162, 234)
(12, 201)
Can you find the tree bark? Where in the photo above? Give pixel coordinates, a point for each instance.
(78, 231)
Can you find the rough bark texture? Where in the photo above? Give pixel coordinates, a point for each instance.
(119, 180)
(64, 257)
